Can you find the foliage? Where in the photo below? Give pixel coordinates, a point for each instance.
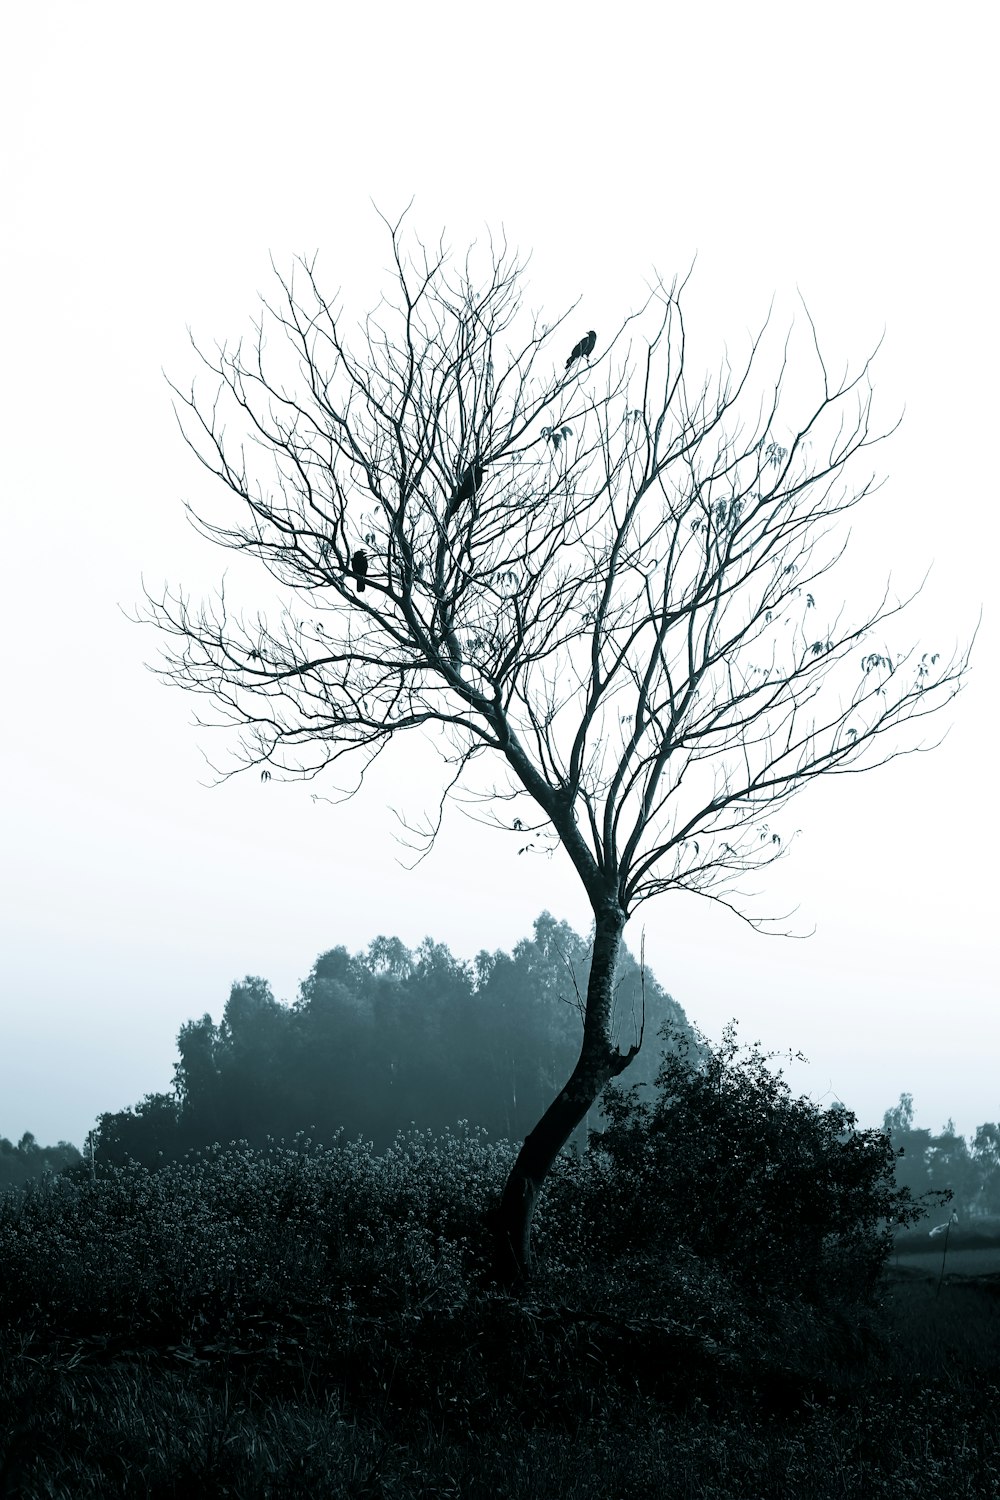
(27, 1160)
(725, 1168)
(130, 1248)
(386, 1038)
(945, 1162)
(308, 1320)
(986, 1154)
(741, 1200)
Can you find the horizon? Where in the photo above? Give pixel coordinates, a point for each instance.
(850, 174)
(781, 1062)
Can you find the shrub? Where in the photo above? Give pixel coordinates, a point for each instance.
(725, 1170)
(226, 1228)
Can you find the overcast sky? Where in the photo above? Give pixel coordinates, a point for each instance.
(153, 160)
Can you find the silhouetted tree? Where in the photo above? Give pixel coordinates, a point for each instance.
(951, 1166)
(380, 1041)
(911, 1146)
(27, 1160)
(151, 1130)
(637, 635)
(928, 1163)
(899, 1119)
(986, 1155)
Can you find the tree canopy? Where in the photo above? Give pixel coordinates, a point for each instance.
(389, 1037)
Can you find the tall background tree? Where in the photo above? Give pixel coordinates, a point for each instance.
(927, 1162)
(628, 632)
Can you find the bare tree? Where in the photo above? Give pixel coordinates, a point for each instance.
(628, 622)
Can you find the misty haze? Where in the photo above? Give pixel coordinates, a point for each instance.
(500, 964)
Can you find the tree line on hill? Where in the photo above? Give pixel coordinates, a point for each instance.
(946, 1160)
(380, 1040)
(26, 1160)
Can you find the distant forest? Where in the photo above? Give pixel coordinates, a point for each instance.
(382, 1040)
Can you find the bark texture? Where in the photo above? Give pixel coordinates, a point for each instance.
(598, 1063)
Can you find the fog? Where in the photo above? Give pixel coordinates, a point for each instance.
(154, 163)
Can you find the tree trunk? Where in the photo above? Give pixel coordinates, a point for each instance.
(598, 1062)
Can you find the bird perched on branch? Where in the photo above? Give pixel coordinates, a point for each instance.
(467, 487)
(584, 349)
(359, 567)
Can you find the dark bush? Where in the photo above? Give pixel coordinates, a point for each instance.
(726, 1170)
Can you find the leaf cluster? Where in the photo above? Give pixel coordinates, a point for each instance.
(725, 1169)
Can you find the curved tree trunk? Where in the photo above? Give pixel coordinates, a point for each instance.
(598, 1062)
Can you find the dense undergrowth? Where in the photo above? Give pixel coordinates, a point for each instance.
(318, 1321)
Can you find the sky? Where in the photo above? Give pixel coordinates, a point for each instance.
(154, 160)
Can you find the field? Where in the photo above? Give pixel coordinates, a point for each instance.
(983, 1261)
(257, 1327)
(969, 1251)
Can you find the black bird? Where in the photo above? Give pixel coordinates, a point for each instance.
(584, 349)
(359, 567)
(468, 485)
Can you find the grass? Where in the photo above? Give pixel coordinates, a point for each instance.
(311, 1324)
(981, 1261)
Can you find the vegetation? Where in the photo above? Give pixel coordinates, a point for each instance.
(946, 1160)
(27, 1160)
(600, 587)
(386, 1039)
(712, 1315)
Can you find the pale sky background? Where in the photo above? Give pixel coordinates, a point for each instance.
(152, 160)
